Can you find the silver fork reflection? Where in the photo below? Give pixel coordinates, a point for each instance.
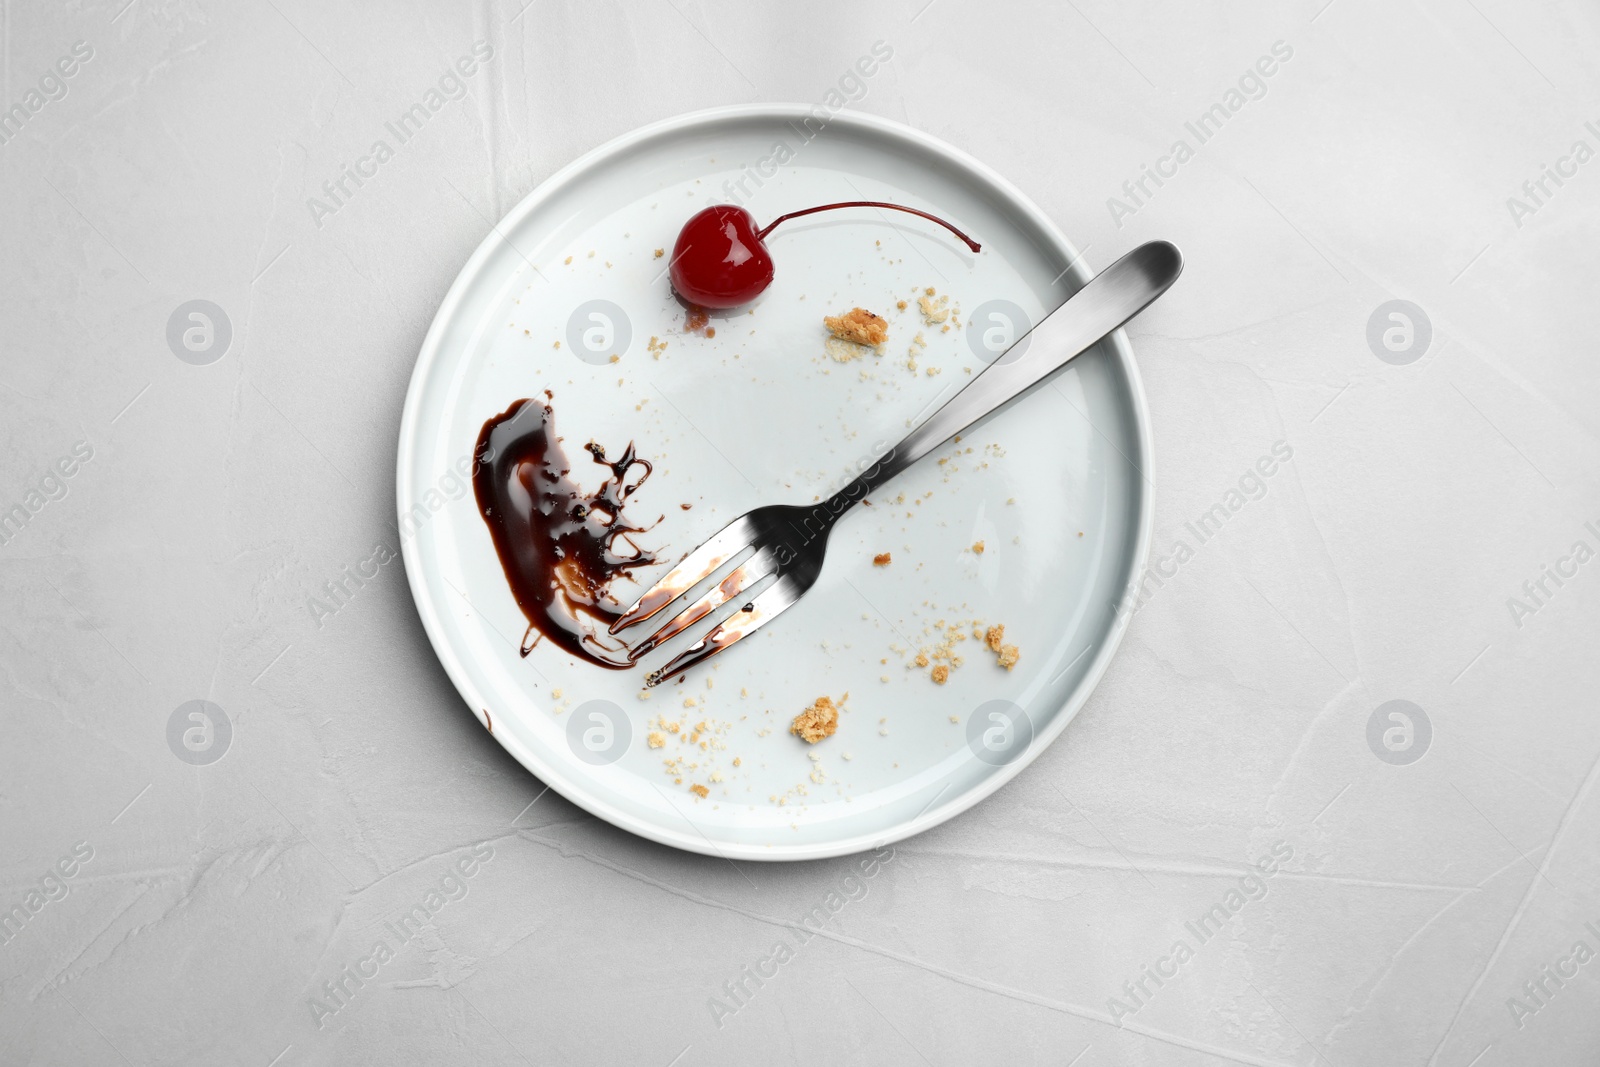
(787, 543)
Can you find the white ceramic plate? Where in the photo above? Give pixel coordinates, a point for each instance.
(761, 414)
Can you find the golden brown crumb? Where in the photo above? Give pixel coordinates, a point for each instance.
(881, 559)
(977, 548)
(657, 739)
(569, 259)
(711, 331)
(996, 635)
(700, 791)
(941, 674)
(820, 720)
(900, 305)
(660, 252)
(922, 659)
(858, 325)
(1009, 656)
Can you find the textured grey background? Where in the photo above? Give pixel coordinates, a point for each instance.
(176, 563)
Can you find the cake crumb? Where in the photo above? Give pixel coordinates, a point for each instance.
(996, 636)
(977, 548)
(657, 739)
(858, 325)
(881, 559)
(941, 674)
(818, 721)
(660, 252)
(934, 311)
(700, 791)
(1009, 656)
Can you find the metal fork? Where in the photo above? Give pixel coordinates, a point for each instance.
(789, 541)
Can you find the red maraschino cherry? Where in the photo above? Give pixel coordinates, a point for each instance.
(721, 259)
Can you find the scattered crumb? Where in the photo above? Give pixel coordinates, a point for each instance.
(657, 739)
(900, 305)
(881, 560)
(858, 325)
(818, 721)
(995, 636)
(700, 791)
(941, 674)
(660, 252)
(1009, 656)
(841, 351)
(933, 311)
(977, 548)
(569, 259)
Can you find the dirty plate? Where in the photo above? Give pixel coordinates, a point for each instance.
(568, 294)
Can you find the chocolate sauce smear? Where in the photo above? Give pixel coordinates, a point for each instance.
(558, 545)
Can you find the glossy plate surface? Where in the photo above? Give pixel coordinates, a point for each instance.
(762, 413)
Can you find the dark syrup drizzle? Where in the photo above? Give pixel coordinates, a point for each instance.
(557, 544)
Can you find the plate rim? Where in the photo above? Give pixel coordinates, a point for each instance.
(552, 775)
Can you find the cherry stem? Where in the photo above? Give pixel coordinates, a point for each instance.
(761, 235)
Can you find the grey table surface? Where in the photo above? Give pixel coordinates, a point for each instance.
(1431, 541)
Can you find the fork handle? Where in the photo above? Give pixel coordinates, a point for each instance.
(1110, 299)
